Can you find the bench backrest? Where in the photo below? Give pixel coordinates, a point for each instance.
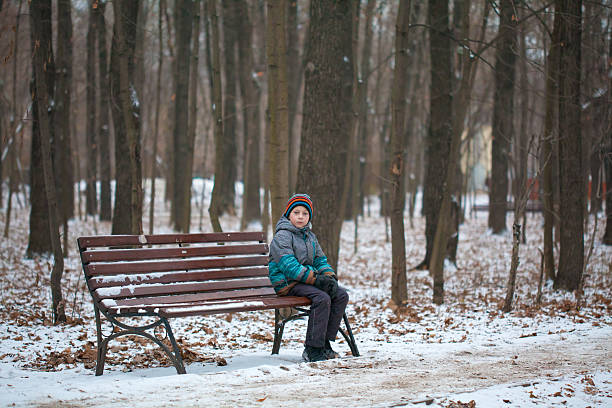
(126, 273)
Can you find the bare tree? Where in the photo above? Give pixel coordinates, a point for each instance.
(327, 116)
(217, 110)
(571, 181)
(278, 115)
(399, 290)
(103, 115)
(40, 24)
(503, 116)
(91, 202)
(182, 175)
(41, 41)
(251, 95)
(127, 216)
(162, 6)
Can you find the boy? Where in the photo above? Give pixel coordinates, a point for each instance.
(298, 267)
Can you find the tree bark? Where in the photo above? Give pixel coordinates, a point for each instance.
(12, 168)
(40, 23)
(327, 117)
(250, 94)
(162, 5)
(40, 17)
(230, 98)
(91, 203)
(127, 217)
(294, 76)
(217, 110)
(442, 129)
(64, 174)
(607, 161)
(503, 116)
(571, 181)
(440, 126)
(278, 115)
(548, 157)
(182, 175)
(103, 115)
(399, 289)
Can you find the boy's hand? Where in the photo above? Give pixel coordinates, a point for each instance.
(327, 284)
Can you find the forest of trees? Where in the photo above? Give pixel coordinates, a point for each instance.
(342, 99)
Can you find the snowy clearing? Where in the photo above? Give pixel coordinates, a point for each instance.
(466, 350)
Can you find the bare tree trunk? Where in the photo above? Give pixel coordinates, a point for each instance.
(327, 111)
(250, 94)
(571, 182)
(64, 177)
(91, 195)
(441, 128)
(41, 37)
(162, 5)
(217, 108)
(399, 290)
(278, 115)
(548, 157)
(182, 175)
(607, 161)
(503, 116)
(40, 11)
(103, 116)
(230, 111)
(127, 216)
(294, 76)
(12, 168)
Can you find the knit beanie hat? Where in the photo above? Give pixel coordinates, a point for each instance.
(299, 199)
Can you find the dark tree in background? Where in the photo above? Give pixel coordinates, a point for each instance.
(64, 174)
(251, 94)
(327, 116)
(41, 42)
(91, 202)
(103, 115)
(440, 122)
(230, 123)
(40, 23)
(182, 188)
(127, 216)
(399, 290)
(571, 181)
(503, 116)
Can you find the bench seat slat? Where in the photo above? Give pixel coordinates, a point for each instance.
(165, 253)
(162, 289)
(176, 277)
(241, 305)
(129, 240)
(172, 265)
(287, 301)
(112, 305)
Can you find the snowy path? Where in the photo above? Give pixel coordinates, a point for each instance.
(386, 375)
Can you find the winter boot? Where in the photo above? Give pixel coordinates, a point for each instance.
(329, 352)
(312, 354)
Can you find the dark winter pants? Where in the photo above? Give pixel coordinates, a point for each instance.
(325, 313)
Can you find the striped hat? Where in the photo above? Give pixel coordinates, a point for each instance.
(299, 199)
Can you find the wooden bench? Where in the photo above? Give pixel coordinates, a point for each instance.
(177, 275)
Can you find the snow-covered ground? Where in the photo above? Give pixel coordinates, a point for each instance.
(551, 354)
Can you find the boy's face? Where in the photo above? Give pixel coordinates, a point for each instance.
(299, 216)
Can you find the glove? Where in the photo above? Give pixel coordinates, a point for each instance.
(327, 284)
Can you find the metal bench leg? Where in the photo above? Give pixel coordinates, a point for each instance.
(102, 345)
(279, 326)
(349, 337)
(178, 359)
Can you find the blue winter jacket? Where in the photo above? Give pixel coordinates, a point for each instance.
(295, 256)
